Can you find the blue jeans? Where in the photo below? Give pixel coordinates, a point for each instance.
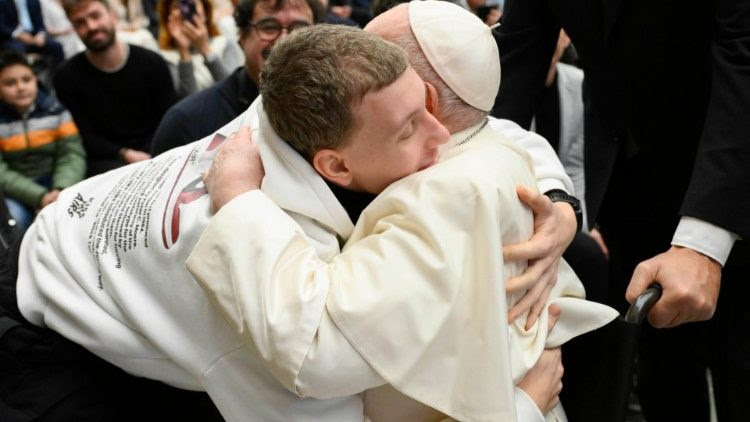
(21, 213)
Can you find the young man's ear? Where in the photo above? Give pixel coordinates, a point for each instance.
(332, 167)
(431, 98)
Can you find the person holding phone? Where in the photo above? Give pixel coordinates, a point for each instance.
(191, 45)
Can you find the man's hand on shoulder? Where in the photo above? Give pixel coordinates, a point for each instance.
(554, 228)
(236, 169)
(690, 281)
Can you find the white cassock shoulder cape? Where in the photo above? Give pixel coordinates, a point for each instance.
(418, 290)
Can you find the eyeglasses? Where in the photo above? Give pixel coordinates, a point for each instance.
(269, 29)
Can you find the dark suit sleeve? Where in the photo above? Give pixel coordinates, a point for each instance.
(526, 39)
(35, 13)
(164, 93)
(8, 19)
(172, 132)
(719, 190)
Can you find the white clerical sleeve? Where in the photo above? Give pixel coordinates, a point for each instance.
(278, 309)
(548, 169)
(526, 409)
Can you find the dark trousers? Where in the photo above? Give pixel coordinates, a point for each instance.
(45, 377)
(586, 358)
(50, 48)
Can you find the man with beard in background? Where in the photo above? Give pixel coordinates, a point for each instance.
(117, 93)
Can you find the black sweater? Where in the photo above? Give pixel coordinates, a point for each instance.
(116, 109)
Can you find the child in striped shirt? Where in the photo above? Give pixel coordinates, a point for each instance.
(40, 150)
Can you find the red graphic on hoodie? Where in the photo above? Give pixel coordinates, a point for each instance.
(192, 191)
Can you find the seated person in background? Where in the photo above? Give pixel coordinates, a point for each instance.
(59, 27)
(191, 45)
(117, 93)
(224, 21)
(337, 12)
(201, 114)
(489, 11)
(132, 24)
(22, 29)
(425, 254)
(41, 152)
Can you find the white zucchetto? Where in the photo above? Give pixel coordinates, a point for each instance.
(461, 49)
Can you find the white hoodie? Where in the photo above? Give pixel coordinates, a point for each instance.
(105, 267)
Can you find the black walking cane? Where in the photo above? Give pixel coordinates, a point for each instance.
(628, 332)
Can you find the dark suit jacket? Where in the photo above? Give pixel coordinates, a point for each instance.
(9, 18)
(204, 112)
(667, 96)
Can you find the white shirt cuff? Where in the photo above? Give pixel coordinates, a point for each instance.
(526, 410)
(704, 237)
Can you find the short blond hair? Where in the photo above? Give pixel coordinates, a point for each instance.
(315, 76)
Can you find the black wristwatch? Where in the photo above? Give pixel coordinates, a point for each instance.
(559, 195)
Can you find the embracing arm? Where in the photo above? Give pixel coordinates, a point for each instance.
(554, 224)
(279, 309)
(295, 335)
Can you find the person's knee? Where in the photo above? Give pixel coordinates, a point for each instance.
(14, 45)
(20, 213)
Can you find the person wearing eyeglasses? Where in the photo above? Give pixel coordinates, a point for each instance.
(260, 23)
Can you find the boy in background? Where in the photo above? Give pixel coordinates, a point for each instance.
(40, 150)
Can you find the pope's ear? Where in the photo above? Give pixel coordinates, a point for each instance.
(332, 166)
(431, 98)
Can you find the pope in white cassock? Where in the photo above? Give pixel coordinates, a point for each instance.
(418, 288)
(104, 266)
